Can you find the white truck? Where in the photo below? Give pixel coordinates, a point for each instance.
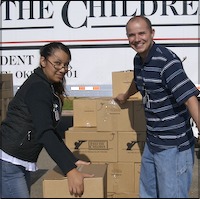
(95, 33)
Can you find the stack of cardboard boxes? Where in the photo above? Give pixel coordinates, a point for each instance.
(6, 93)
(107, 133)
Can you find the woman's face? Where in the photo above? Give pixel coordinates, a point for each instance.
(56, 65)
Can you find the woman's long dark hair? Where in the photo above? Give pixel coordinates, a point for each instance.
(48, 50)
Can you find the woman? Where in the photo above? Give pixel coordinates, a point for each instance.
(30, 125)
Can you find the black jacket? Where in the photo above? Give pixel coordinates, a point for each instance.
(30, 123)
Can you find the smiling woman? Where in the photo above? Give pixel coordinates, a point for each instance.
(36, 109)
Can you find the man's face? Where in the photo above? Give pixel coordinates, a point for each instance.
(140, 36)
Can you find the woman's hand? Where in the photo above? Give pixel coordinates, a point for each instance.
(76, 179)
(81, 162)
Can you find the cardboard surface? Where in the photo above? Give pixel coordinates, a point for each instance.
(55, 185)
(121, 80)
(84, 112)
(112, 116)
(123, 177)
(130, 146)
(92, 145)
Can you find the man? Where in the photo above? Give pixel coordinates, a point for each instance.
(170, 100)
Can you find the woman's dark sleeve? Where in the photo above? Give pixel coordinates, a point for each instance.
(39, 101)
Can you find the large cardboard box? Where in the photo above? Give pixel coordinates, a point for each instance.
(130, 146)
(6, 86)
(84, 112)
(55, 185)
(112, 116)
(93, 145)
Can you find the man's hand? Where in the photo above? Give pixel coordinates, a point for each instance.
(121, 98)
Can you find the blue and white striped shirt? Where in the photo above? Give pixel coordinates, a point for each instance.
(165, 87)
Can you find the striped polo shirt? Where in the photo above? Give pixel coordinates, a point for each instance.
(165, 87)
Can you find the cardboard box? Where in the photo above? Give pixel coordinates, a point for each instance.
(112, 116)
(92, 145)
(55, 185)
(139, 116)
(84, 112)
(139, 122)
(121, 81)
(130, 146)
(123, 177)
(6, 86)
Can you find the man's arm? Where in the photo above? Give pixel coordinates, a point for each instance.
(132, 89)
(193, 106)
(122, 97)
